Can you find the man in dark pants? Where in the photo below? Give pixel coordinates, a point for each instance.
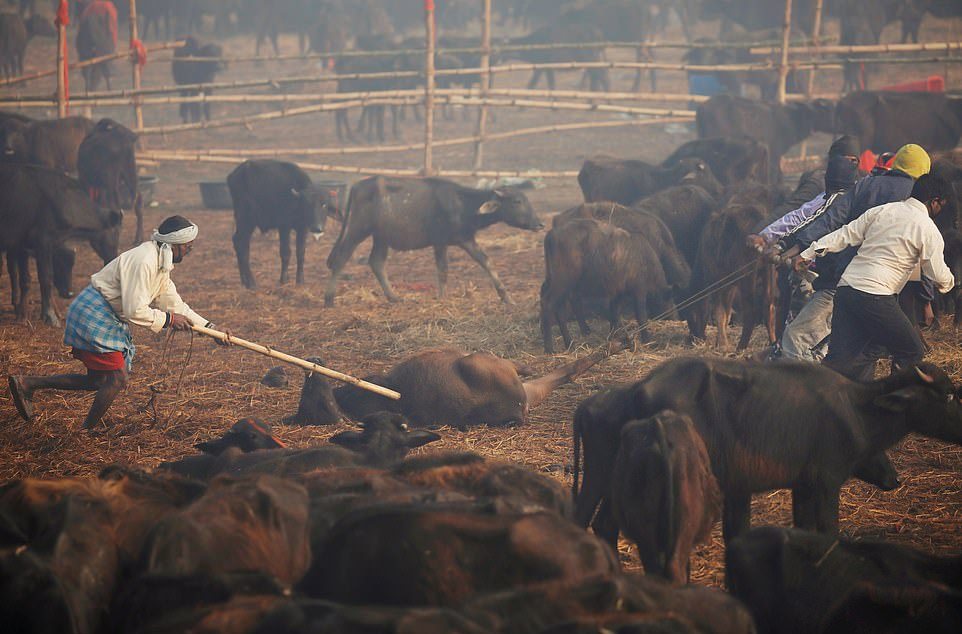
(893, 240)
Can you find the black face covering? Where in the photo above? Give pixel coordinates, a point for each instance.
(840, 174)
(847, 145)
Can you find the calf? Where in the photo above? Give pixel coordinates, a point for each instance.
(796, 581)
(255, 524)
(723, 253)
(626, 181)
(196, 72)
(107, 167)
(665, 497)
(685, 210)
(408, 214)
(96, 37)
(52, 143)
(247, 434)
(270, 194)
(784, 425)
(447, 386)
(730, 160)
(40, 209)
(585, 257)
(450, 553)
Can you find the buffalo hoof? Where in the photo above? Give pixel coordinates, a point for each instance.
(328, 301)
(50, 319)
(21, 398)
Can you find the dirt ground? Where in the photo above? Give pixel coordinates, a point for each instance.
(363, 334)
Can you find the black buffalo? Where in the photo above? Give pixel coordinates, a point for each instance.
(408, 214)
(196, 72)
(50, 142)
(96, 37)
(107, 167)
(778, 126)
(785, 425)
(626, 181)
(885, 121)
(730, 160)
(795, 581)
(39, 209)
(270, 194)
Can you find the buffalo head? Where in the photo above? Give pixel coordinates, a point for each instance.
(823, 115)
(385, 438)
(247, 434)
(315, 206)
(514, 209)
(925, 396)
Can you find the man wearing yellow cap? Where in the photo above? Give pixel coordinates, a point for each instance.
(813, 324)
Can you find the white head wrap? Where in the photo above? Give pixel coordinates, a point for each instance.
(181, 236)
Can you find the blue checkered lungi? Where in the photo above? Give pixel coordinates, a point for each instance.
(92, 325)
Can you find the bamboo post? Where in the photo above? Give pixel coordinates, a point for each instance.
(301, 363)
(134, 42)
(783, 65)
(428, 85)
(485, 80)
(62, 20)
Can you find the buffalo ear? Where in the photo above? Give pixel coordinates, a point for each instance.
(490, 207)
(115, 218)
(897, 401)
(420, 437)
(353, 440)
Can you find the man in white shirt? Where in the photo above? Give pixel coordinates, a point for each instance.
(97, 325)
(894, 240)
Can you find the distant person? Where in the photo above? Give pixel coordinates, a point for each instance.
(892, 240)
(98, 320)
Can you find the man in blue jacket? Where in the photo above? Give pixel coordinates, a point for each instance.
(814, 322)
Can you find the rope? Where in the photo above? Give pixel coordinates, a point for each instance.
(160, 387)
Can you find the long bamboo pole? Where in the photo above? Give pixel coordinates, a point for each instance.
(135, 65)
(89, 62)
(836, 49)
(783, 64)
(301, 363)
(485, 81)
(429, 41)
(816, 29)
(61, 69)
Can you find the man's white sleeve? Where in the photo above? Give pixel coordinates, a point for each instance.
(933, 260)
(135, 297)
(849, 235)
(170, 300)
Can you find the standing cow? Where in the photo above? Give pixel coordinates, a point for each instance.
(39, 209)
(407, 214)
(107, 167)
(665, 496)
(272, 194)
(196, 72)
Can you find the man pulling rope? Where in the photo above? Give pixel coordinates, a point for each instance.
(98, 320)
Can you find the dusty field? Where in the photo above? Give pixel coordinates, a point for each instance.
(363, 334)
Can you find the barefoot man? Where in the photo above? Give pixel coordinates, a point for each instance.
(98, 320)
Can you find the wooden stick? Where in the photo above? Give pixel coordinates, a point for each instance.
(863, 48)
(135, 67)
(301, 363)
(429, 72)
(783, 64)
(485, 81)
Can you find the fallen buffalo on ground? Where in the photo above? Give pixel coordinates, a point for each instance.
(270, 194)
(247, 434)
(794, 581)
(254, 524)
(449, 554)
(408, 214)
(768, 426)
(446, 386)
(665, 496)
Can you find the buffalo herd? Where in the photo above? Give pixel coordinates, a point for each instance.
(250, 535)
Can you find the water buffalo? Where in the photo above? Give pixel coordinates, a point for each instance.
(885, 121)
(270, 194)
(626, 181)
(40, 208)
(247, 434)
(585, 257)
(665, 497)
(447, 386)
(778, 126)
(195, 72)
(795, 581)
(107, 167)
(785, 425)
(408, 214)
(51, 143)
(730, 160)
